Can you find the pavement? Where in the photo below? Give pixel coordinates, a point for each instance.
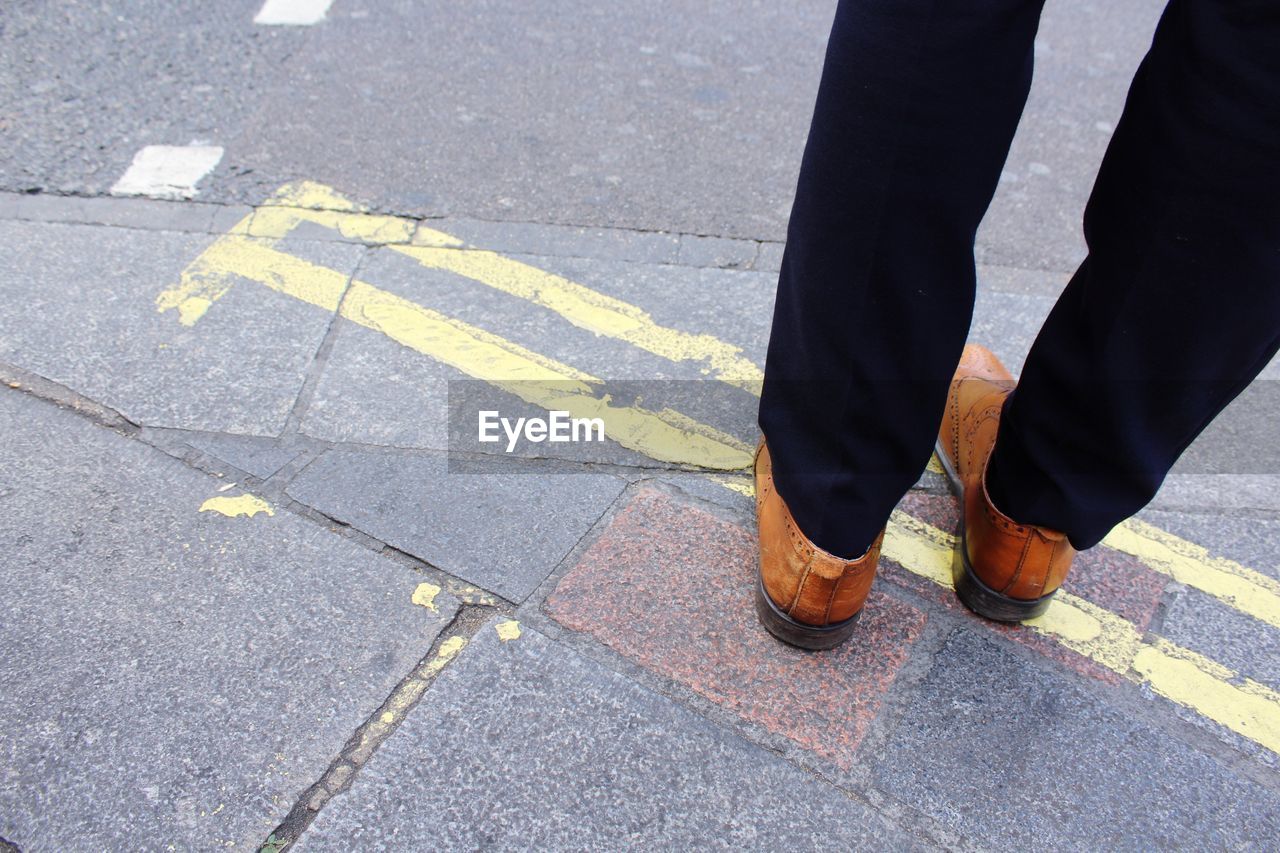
(263, 592)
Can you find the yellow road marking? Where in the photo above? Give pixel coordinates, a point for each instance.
(1242, 588)
(1206, 687)
(231, 507)
(665, 435)
(508, 630)
(1192, 680)
(424, 595)
(593, 311)
(1210, 689)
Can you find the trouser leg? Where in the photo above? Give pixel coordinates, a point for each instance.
(1177, 306)
(917, 106)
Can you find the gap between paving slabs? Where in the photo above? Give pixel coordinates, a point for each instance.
(384, 721)
(476, 606)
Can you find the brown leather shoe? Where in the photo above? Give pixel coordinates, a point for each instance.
(1003, 570)
(805, 596)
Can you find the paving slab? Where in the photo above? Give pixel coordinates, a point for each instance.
(1248, 538)
(1215, 629)
(502, 532)
(79, 308)
(525, 743)
(669, 586)
(533, 238)
(701, 251)
(144, 213)
(1116, 582)
(252, 454)
(173, 675)
(374, 391)
(1009, 754)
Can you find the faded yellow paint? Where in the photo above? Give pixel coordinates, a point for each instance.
(403, 698)
(277, 222)
(1191, 680)
(425, 595)
(594, 311)
(935, 465)
(1178, 674)
(664, 435)
(741, 485)
(448, 651)
(922, 548)
(508, 630)
(231, 507)
(425, 236)
(1240, 587)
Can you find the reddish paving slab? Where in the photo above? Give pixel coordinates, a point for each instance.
(669, 586)
(1118, 582)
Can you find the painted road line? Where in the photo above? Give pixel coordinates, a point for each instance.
(1189, 679)
(292, 13)
(664, 435)
(583, 307)
(1240, 587)
(168, 171)
(1240, 704)
(588, 309)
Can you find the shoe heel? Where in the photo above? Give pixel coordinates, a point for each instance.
(797, 634)
(984, 600)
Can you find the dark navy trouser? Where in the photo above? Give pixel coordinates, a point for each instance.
(1175, 309)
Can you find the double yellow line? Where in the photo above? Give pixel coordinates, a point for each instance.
(249, 251)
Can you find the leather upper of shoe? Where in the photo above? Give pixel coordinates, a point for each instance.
(807, 583)
(1017, 560)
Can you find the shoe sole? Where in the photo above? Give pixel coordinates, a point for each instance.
(798, 634)
(972, 592)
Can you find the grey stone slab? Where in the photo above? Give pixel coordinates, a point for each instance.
(79, 308)
(526, 744)
(172, 676)
(1252, 539)
(615, 244)
(1010, 754)
(377, 392)
(769, 258)
(252, 454)
(1220, 632)
(502, 532)
(722, 252)
(227, 216)
(9, 204)
(142, 213)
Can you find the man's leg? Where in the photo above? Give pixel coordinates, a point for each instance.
(917, 106)
(1177, 307)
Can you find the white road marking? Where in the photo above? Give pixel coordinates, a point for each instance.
(292, 13)
(168, 171)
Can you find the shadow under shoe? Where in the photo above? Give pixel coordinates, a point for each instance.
(804, 596)
(1002, 570)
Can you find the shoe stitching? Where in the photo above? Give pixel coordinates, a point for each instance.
(831, 600)
(1022, 560)
(800, 589)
